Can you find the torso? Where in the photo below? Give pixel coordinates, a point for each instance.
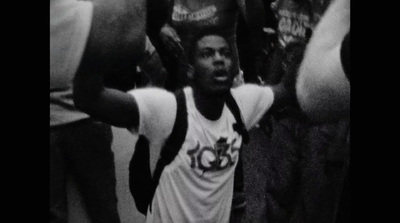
(197, 186)
(201, 176)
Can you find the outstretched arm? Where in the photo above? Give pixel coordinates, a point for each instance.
(253, 12)
(284, 91)
(323, 89)
(171, 40)
(152, 66)
(169, 36)
(116, 42)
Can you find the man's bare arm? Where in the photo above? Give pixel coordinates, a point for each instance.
(116, 42)
(152, 66)
(284, 91)
(323, 90)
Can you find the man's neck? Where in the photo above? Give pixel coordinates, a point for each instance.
(210, 106)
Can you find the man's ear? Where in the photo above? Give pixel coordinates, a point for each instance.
(190, 71)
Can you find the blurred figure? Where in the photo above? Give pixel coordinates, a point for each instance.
(308, 161)
(255, 45)
(323, 87)
(78, 143)
(296, 21)
(150, 72)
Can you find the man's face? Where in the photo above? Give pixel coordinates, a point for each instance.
(212, 65)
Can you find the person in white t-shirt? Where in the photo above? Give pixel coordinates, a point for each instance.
(193, 187)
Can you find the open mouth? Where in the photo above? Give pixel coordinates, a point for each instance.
(221, 75)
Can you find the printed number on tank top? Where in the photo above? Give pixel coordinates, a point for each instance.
(206, 158)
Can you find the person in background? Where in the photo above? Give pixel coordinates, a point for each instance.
(80, 144)
(323, 84)
(255, 45)
(307, 161)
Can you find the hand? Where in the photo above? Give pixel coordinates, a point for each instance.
(171, 40)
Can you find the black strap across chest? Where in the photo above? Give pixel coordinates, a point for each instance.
(178, 135)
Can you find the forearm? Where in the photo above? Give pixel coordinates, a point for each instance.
(282, 98)
(152, 66)
(154, 69)
(169, 9)
(275, 71)
(254, 12)
(108, 105)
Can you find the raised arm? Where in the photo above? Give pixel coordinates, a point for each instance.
(169, 36)
(253, 12)
(284, 91)
(152, 66)
(323, 89)
(116, 42)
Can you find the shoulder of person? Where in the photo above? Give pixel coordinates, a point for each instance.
(250, 96)
(253, 101)
(250, 91)
(152, 92)
(157, 109)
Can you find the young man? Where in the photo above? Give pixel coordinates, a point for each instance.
(189, 17)
(197, 186)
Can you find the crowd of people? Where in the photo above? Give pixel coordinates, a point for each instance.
(281, 66)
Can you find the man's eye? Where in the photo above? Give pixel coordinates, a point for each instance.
(226, 53)
(206, 54)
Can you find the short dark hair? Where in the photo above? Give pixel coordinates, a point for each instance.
(205, 32)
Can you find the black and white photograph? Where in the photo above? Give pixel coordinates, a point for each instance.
(199, 111)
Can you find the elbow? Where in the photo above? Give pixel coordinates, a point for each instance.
(305, 102)
(324, 104)
(310, 94)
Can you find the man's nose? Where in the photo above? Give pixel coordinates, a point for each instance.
(218, 59)
(218, 56)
